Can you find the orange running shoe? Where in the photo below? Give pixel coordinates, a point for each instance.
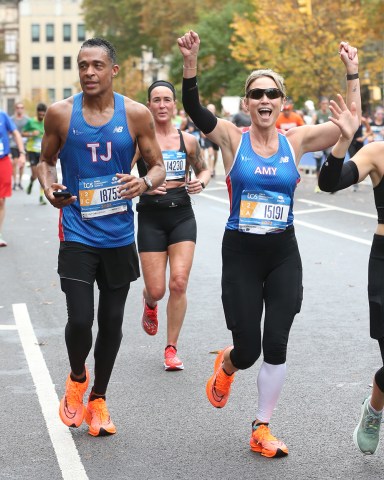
(149, 320)
(262, 441)
(219, 384)
(98, 418)
(71, 409)
(171, 360)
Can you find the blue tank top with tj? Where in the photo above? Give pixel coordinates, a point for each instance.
(260, 189)
(90, 158)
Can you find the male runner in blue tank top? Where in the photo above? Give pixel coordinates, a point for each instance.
(94, 133)
(261, 261)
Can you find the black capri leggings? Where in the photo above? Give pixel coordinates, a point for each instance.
(376, 299)
(78, 331)
(260, 271)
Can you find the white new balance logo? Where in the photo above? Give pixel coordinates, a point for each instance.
(117, 129)
(284, 159)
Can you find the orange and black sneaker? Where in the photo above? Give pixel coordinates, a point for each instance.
(98, 418)
(149, 319)
(219, 384)
(262, 441)
(171, 360)
(71, 409)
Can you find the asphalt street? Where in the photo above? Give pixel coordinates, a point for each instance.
(166, 427)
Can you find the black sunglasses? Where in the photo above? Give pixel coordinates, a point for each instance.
(258, 93)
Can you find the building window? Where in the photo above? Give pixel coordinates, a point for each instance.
(36, 95)
(10, 76)
(67, 92)
(35, 32)
(50, 63)
(67, 63)
(81, 32)
(10, 47)
(11, 105)
(35, 63)
(50, 32)
(67, 32)
(51, 95)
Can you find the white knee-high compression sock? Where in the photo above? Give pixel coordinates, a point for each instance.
(270, 382)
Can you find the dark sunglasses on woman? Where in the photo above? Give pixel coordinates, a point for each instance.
(258, 93)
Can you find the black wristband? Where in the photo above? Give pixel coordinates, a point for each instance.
(352, 76)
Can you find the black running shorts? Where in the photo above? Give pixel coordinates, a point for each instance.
(112, 268)
(158, 228)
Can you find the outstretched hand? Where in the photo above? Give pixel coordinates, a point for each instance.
(189, 44)
(347, 120)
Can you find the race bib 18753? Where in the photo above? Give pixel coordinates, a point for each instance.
(99, 197)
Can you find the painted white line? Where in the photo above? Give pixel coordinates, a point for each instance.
(339, 209)
(313, 210)
(210, 189)
(8, 327)
(311, 225)
(217, 199)
(61, 438)
(333, 232)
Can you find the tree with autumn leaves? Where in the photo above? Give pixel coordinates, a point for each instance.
(304, 48)
(238, 37)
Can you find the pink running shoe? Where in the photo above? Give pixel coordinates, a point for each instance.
(149, 320)
(171, 361)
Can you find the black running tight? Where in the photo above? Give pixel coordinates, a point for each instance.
(260, 272)
(78, 331)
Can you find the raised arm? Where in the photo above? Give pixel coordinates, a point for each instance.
(205, 120)
(349, 57)
(312, 138)
(335, 174)
(220, 131)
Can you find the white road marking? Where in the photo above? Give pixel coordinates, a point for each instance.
(8, 327)
(333, 207)
(217, 188)
(313, 210)
(334, 232)
(212, 197)
(324, 207)
(61, 438)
